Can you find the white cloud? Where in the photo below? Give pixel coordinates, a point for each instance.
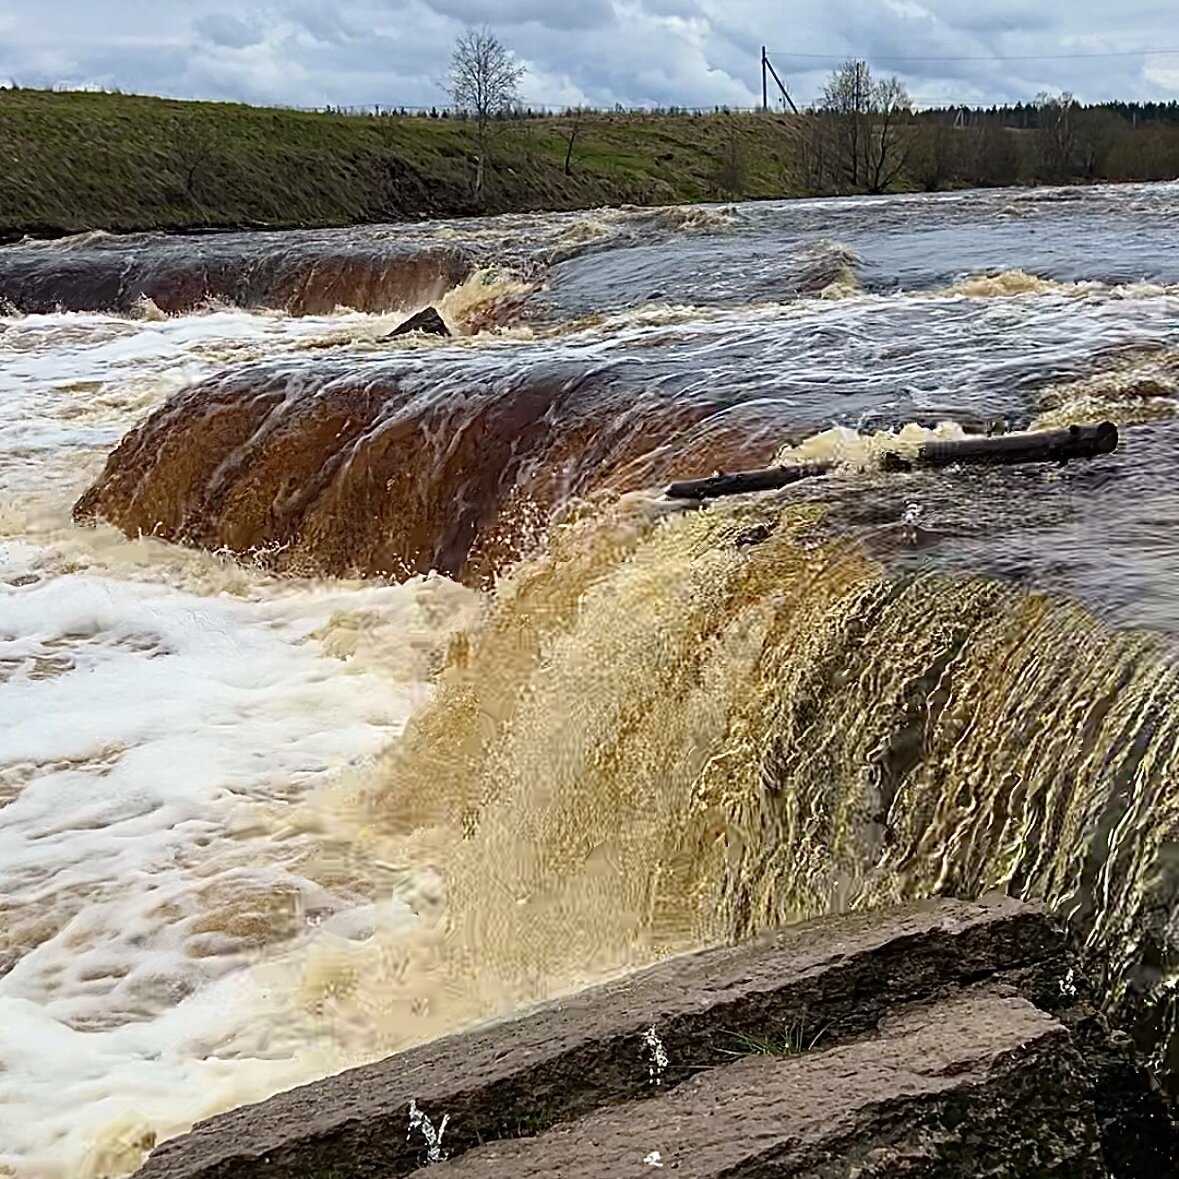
(1164, 75)
(691, 52)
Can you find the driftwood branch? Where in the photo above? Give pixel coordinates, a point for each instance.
(1046, 446)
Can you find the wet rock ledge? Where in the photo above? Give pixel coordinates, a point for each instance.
(944, 1039)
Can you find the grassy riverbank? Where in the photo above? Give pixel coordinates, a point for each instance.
(79, 161)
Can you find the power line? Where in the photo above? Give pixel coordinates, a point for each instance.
(1021, 57)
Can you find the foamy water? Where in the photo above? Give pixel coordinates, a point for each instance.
(194, 911)
(161, 714)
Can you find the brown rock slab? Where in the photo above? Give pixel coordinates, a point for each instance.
(568, 1058)
(979, 1084)
(303, 272)
(344, 465)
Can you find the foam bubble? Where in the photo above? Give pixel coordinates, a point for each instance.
(77, 381)
(854, 450)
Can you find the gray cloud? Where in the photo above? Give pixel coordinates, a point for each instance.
(634, 52)
(555, 14)
(223, 28)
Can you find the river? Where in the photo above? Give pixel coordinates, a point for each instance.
(355, 689)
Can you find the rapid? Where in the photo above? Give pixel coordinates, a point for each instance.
(356, 689)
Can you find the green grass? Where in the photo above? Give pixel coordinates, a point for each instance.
(71, 162)
(794, 1040)
(80, 161)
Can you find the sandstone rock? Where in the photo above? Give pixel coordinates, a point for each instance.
(303, 272)
(568, 1058)
(345, 466)
(979, 1084)
(930, 1040)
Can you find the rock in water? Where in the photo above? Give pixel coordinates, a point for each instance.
(429, 322)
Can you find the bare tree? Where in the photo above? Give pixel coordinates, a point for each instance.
(868, 122)
(935, 159)
(574, 127)
(888, 141)
(730, 177)
(1057, 135)
(815, 153)
(995, 158)
(846, 101)
(193, 154)
(1098, 131)
(484, 84)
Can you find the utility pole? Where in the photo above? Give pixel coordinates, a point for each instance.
(767, 66)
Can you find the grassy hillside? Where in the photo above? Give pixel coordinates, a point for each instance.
(71, 162)
(74, 162)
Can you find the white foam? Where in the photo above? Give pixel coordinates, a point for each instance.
(72, 382)
(163, 714)
(158, 738)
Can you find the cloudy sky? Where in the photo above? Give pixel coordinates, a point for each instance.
(635, 52)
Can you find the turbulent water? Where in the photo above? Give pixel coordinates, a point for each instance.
(353, 689)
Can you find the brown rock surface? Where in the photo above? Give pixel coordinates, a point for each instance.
(568, 1058)
(374, 466)
(303, 272)
(980, 1084)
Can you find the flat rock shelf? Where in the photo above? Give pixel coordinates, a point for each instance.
(939, 1039)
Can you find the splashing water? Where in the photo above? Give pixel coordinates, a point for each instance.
(662, 738)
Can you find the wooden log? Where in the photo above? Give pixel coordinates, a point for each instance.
(1044, 446)
(743, 482)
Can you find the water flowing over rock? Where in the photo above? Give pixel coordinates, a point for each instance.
(259, 828)
(376, 471)
(693, 729)
(307, 274)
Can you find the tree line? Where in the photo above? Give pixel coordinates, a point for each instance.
(1055, 140)
(1025, 116)
(863, 134)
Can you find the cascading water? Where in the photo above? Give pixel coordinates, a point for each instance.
(259, 822)
(666, 735)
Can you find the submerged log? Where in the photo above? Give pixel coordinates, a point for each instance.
(1045, 446)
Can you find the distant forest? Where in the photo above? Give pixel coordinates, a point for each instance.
(864, 135)
(1026, 115)
(1052, 141)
